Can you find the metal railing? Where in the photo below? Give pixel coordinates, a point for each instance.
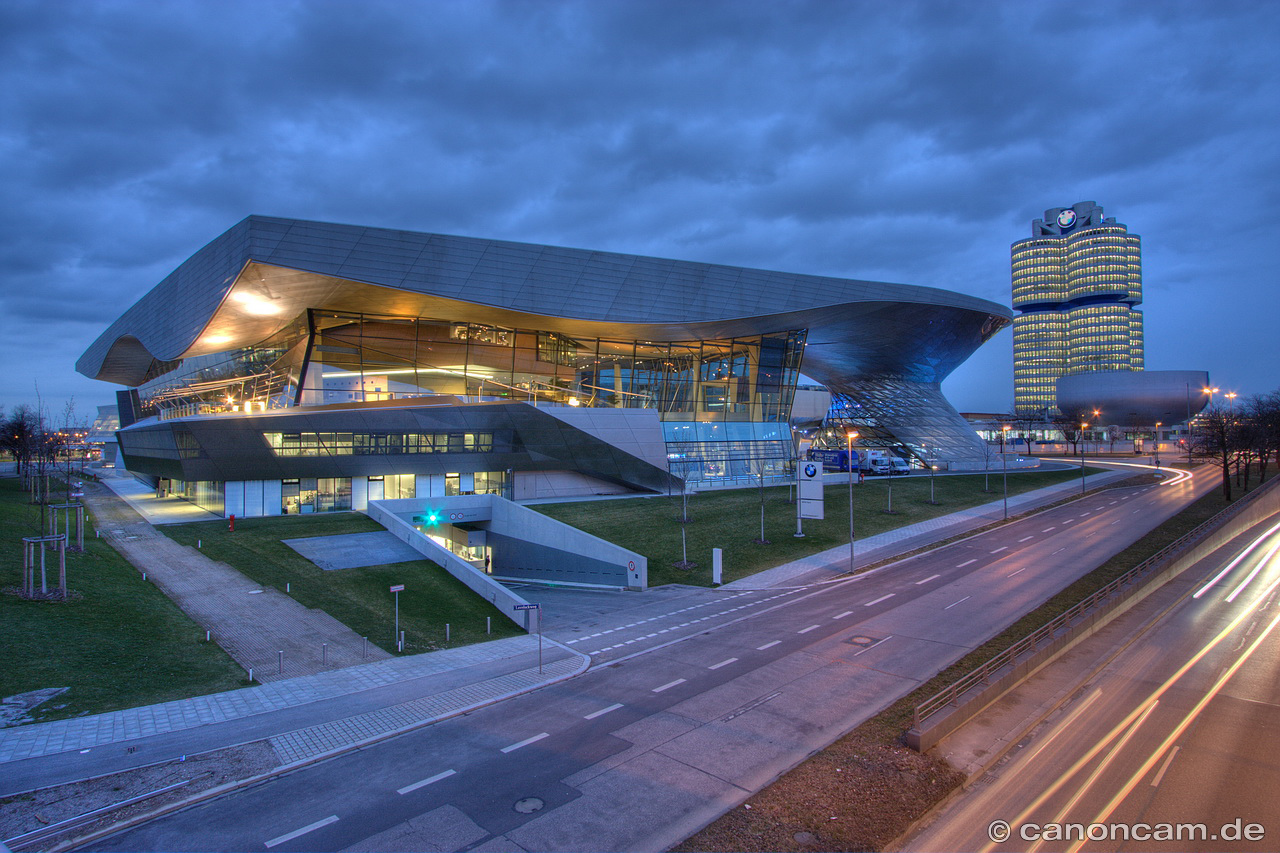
(1093, 606)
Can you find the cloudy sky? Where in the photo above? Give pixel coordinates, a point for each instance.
(896, 141)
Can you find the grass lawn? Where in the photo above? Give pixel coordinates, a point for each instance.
(117, 643)
(731, 520)
(358, 598)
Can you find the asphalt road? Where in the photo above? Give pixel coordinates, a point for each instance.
(1181, 728)
(639, 752)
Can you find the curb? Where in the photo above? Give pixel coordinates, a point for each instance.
(584, 662)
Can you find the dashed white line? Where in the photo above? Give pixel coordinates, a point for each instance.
(1117, 521)
(668, 685)
(425, 782)
(880, 599)
(954, 603)
(723, 663)
(965, 563)
(842, 615)
(873, 646)
(1067, 520)
(930, 578)
(1026, 538)
(525, 742)
(311, 827)
(1047, 529)
(1011, 574)
(767, 645)
(807, 630)
(1155, 783)
(1083, 514)
(594, 714)
(1001, 548)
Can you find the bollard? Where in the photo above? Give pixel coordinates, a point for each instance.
(488, 624)
(206, 636)
(251, 675)
(401, 646)
(287, 586)
(446, 632)
(364, 651)
(280, 663)
(144, 575)
(717, 565)
(198, 544)
(324, 653)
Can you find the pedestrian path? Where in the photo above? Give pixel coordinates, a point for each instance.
(85, 733)
(834, 562)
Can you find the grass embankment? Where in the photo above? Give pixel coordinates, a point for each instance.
(358, 598)
(866, 789)
(731, 520)
(116, 643)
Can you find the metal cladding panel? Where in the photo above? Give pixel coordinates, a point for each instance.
(1135, 398)
(490, 275)
(231, 447)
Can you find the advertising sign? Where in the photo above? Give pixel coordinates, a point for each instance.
(809, 484)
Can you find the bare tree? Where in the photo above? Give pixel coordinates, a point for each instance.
(1217, 438)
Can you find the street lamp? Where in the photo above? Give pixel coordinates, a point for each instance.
(851, 435)
(1157, 437)
(1231, 395)
(1083, 426)
(1004, 464)
(1097, 418)
(932, 469)
(1210, 392)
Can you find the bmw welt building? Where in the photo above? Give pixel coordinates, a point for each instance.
(294, 367)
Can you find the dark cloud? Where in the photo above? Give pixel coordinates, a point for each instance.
(906, 141)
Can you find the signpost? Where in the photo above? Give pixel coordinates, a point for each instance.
(809, 503)
(538, 614)
(395, 637)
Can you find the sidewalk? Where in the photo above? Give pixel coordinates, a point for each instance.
(834, 562)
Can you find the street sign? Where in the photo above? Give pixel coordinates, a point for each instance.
(526, 606)
(398, 588)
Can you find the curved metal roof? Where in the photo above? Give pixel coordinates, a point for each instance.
(258, 276)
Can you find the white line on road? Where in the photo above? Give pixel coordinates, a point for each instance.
(594, 714)
(311, 827)
(930, 578)
(723, 663)
(1001, 548)
(880, 599)
(1117, 521)
(844, 614)
(1026, 538)
(1047, 529)
(954, 603)
(1067, 520)
(767, 645)
(1059, 551)
(1023, 569)
(525, 742)
(668, 685)
(425, 782)
(1155, 783)
(965, 563)
(807, 630)
(873, 645)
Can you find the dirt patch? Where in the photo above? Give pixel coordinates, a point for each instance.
(24, 813)
(860, 793)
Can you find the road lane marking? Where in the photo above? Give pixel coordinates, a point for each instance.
(767, 645)
(807, 630)
(1011, 574)
(965, 563)
(880, 599)
(842, 615)
(954, 603)
(1155, 783)
(873, 645)
(723, 663)
(525, 742)
(930, 578)
(1026, 538)
(668, 685)
(311, 827)
(425, 782)
(1083, 514)
(1001, 548)
(594, 714)
(1047, 529)
(1069, 520)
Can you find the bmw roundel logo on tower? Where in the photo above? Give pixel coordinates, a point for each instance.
(1067, 218)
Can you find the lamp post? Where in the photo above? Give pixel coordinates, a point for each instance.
(1004, 465)
(1097, 418)
(1210, 392)
(851, 435)
(1083, 427)
(1157, 438)
(932, 468)
(1231, 397)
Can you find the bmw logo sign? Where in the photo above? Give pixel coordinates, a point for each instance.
(811, 470)
(1067, 218)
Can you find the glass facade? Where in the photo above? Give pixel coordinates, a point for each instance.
(1077, 283)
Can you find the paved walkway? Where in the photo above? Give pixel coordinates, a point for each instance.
(254, 624)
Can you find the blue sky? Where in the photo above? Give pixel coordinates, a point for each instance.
(895, 141)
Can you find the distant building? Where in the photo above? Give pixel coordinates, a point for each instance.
(1077, 284)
